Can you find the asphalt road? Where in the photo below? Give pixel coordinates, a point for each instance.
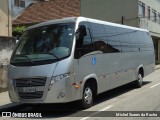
(124, 101)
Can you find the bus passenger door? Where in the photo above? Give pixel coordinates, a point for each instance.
(85, 59)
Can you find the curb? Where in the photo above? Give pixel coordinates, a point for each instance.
(158, 67)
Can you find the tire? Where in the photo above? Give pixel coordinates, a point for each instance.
(139, 82)
(87, 98)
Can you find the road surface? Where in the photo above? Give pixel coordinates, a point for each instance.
(125, 98)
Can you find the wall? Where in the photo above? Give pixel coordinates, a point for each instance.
(6, 44)
(111, 10)
(5, 18)
(6, 47)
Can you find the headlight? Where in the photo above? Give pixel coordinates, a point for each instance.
(55, 79)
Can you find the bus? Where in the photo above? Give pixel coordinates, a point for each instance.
(77, 58)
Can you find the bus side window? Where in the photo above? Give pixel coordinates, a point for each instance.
(83, 44)
(105, 38)
(87, 43)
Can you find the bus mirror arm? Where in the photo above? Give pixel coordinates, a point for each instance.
(81, 32)
(78, 53)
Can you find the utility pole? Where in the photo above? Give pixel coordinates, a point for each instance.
(122, 20)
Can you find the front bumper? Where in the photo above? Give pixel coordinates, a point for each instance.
(60, 92)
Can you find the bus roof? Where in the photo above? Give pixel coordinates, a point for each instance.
(74, 19)
(112, 24)
(64, 20)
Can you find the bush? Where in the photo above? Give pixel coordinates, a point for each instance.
(18, 30)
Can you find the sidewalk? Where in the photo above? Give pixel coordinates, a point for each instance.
(157, 67)
(5, 101)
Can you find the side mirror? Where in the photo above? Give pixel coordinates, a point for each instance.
(17, 38)
(81, 32)
(17, 41)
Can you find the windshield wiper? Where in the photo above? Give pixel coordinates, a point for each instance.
(29, 59)
(26, 57)
(50, 53)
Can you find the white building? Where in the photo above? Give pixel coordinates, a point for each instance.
(19, 5)
(138, 13)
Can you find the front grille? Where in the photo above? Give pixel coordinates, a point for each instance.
(35, 95)
(30, 82)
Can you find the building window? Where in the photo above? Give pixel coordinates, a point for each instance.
(19, 3)
(154, 15)
(141, 9)
(16, 2)
(149, 12)
(22, 3)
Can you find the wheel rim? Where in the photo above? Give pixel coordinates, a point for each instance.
(140, 79)
(88, 95)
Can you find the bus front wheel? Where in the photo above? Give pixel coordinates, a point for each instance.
(87, 98)
(139, 82)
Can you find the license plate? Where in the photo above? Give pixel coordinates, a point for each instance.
(29, 89)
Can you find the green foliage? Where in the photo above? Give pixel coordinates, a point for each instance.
(18, 30)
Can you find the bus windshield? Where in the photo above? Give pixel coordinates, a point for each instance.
(44, 45)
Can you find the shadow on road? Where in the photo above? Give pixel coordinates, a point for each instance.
(116, 92)
(67, 109)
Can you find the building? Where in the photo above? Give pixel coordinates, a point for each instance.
(5, 19)
(137, 13)
(19, 5)
(43, 10)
